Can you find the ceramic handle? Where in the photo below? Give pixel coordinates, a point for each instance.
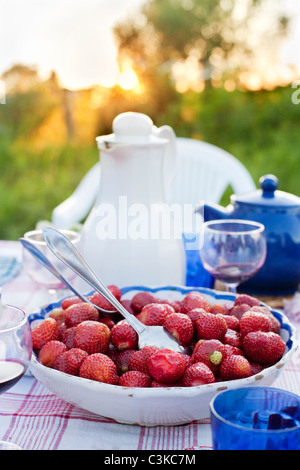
(166, 132)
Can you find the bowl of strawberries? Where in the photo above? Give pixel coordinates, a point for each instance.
(93, 361)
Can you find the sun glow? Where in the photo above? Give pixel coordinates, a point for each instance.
(128, 80)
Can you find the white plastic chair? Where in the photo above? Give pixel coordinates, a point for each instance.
(77, 206)
(204, 171)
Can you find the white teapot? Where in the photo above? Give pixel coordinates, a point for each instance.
(130, 237)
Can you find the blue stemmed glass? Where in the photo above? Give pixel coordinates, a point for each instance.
(255, 418)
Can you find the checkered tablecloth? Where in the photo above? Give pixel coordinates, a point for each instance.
(34, 418)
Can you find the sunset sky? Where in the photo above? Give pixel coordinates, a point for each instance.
(74, 37)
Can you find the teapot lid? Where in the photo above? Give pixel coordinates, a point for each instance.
(268, 195)
(131, 128)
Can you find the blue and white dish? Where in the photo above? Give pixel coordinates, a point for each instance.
(155, 406)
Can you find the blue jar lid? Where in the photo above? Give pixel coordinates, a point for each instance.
(268, 195)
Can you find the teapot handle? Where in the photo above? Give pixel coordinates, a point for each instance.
(166, 132)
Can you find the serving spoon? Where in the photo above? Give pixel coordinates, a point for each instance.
(37, 253)
(64, 249)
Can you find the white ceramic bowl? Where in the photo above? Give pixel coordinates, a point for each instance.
(155, 406)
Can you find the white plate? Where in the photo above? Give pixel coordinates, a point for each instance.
(155, 406)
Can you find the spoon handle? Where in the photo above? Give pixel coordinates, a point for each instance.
(66, 252)
(34, 251)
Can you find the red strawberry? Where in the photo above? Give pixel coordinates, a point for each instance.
(116, 291)
(62, 327)
(193, 300)
(175, 304)
(195, 313)
(187, 359)
(45, 331)
(180, 326)
(80, 312)
(135, 378)
(229, 349)
(127, 304)
(99, 367)
(246, 299)
(70, 301)
(233, 338)
(67, 337)
(139, 359)
(210, 326)
(148, 351)
(123, 336)
(197, 374)
(263, 347)
(141, 299)
(235, 367)
(107, 321)
(232, 322)
(101, 302)
(92, 337)
(154, 314)
(121, 359)
(58, 315)
(50, 351)
(219, 308)
(239, 310)
(256, 368)
(156, 384)
(166, 366)
(70, 361)
(275, 324)
(254, 321)
(112, 353)
(211, 352)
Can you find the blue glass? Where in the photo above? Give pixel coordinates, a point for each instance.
(255, 418)
(196, 275)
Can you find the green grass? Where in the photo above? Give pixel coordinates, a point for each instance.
(261, 129)
(34, 182)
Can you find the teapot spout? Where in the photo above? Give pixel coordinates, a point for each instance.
(212, 211)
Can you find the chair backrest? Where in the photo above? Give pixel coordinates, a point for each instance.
(77, 206)
(204, 171)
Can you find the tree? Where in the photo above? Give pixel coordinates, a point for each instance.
(213, 38)
(29, 101)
